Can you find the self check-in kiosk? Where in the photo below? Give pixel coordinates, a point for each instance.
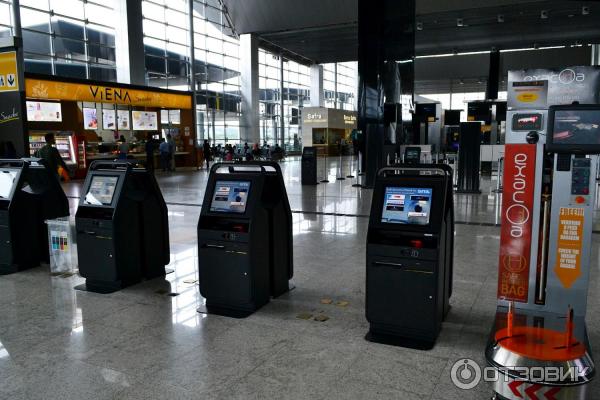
(539, 344)
(244, 238)
(30, 194)
(309, 166)
(122, 227)
(410, 245)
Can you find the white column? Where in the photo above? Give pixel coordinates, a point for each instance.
(596, 54)
(129, 42)
(249, 129)
(316, 86)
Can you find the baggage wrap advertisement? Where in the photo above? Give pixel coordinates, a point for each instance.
(517, 216)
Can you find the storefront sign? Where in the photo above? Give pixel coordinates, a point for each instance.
(569, 245)
(530, 94)
(517, 216)
(350, 119)
(55, 90)
(565, 85)
(8, 72)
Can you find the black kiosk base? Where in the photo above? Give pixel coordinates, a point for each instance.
(244, 238)
(122, 228)
(30, 194)
(410, 245)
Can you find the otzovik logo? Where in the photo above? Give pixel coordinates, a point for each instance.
(566, 77)
(109, 94)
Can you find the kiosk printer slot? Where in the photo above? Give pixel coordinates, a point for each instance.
(30, 194)
(410, 245)
(309, 166)
(244, 238)
(122, 227)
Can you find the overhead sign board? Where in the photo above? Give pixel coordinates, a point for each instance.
(8, 72)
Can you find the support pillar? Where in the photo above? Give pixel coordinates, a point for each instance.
(596, 54)
(493, 81)
(316, 86)
(129, 42)
(385, 34)
(249, 129)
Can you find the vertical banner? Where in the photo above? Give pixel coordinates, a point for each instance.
(517, 217)
(569, 246)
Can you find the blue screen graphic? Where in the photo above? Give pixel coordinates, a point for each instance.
(230, 197)
(403, 205)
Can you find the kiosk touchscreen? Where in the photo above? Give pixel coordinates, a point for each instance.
(101, 190)
(30, 194)
(406, 205)
(575, 129)
(230, 197)
(244, 238)
(409, 254)
(122, 227)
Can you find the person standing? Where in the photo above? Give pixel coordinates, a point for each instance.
(123, 148)
(172, 149)
(206, 150)
(150, 147)
(50, 155)
(165, 155)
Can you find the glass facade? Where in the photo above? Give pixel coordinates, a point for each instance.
(72, 38)
(295, 94)
(341, 88)
(76, 38)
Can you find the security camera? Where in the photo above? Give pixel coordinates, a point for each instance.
(500, 18)
(544, 14)
(460, 22)
(585, 10)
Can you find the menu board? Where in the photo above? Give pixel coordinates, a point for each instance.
(172, 117)
(108, 120)
(144, 120)
(90, 119)
(123, 120)
(44, 111)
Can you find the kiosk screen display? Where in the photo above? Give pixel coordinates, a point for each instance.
(8, 179)
(576, 127)
(527, 122)
(230, 197)
(406, 205)
(102, 190)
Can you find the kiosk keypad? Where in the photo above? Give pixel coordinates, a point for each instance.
(580, 180)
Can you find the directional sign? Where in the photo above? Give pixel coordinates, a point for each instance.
(8, 72)
(569, 246)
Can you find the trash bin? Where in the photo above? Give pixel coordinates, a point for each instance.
(62, 247)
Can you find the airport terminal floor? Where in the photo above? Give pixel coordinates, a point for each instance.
(148, 341)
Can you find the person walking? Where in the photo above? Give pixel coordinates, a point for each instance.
(51, 156)
(206, 150)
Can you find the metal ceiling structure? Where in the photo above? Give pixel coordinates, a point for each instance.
(325, 31)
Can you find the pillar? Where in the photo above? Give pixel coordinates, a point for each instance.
(129, 42)
(493, 81)
(596, 54)
(385, 34)
(249, 129)
(316, 86)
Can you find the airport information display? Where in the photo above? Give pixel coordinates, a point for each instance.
(230, 197)
(406, 205)
(102, 190)
(8, 179)
(576, 127)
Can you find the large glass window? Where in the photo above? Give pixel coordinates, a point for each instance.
(295, 95)
(74, 38)
(340, 85)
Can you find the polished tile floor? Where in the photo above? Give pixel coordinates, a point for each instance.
(139, 343)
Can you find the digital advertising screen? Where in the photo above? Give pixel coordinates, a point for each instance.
(402, 205)
(102, 190)
(8, 179)
(230, 197)
(527, 122)
(576, 127)
(40, 111)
